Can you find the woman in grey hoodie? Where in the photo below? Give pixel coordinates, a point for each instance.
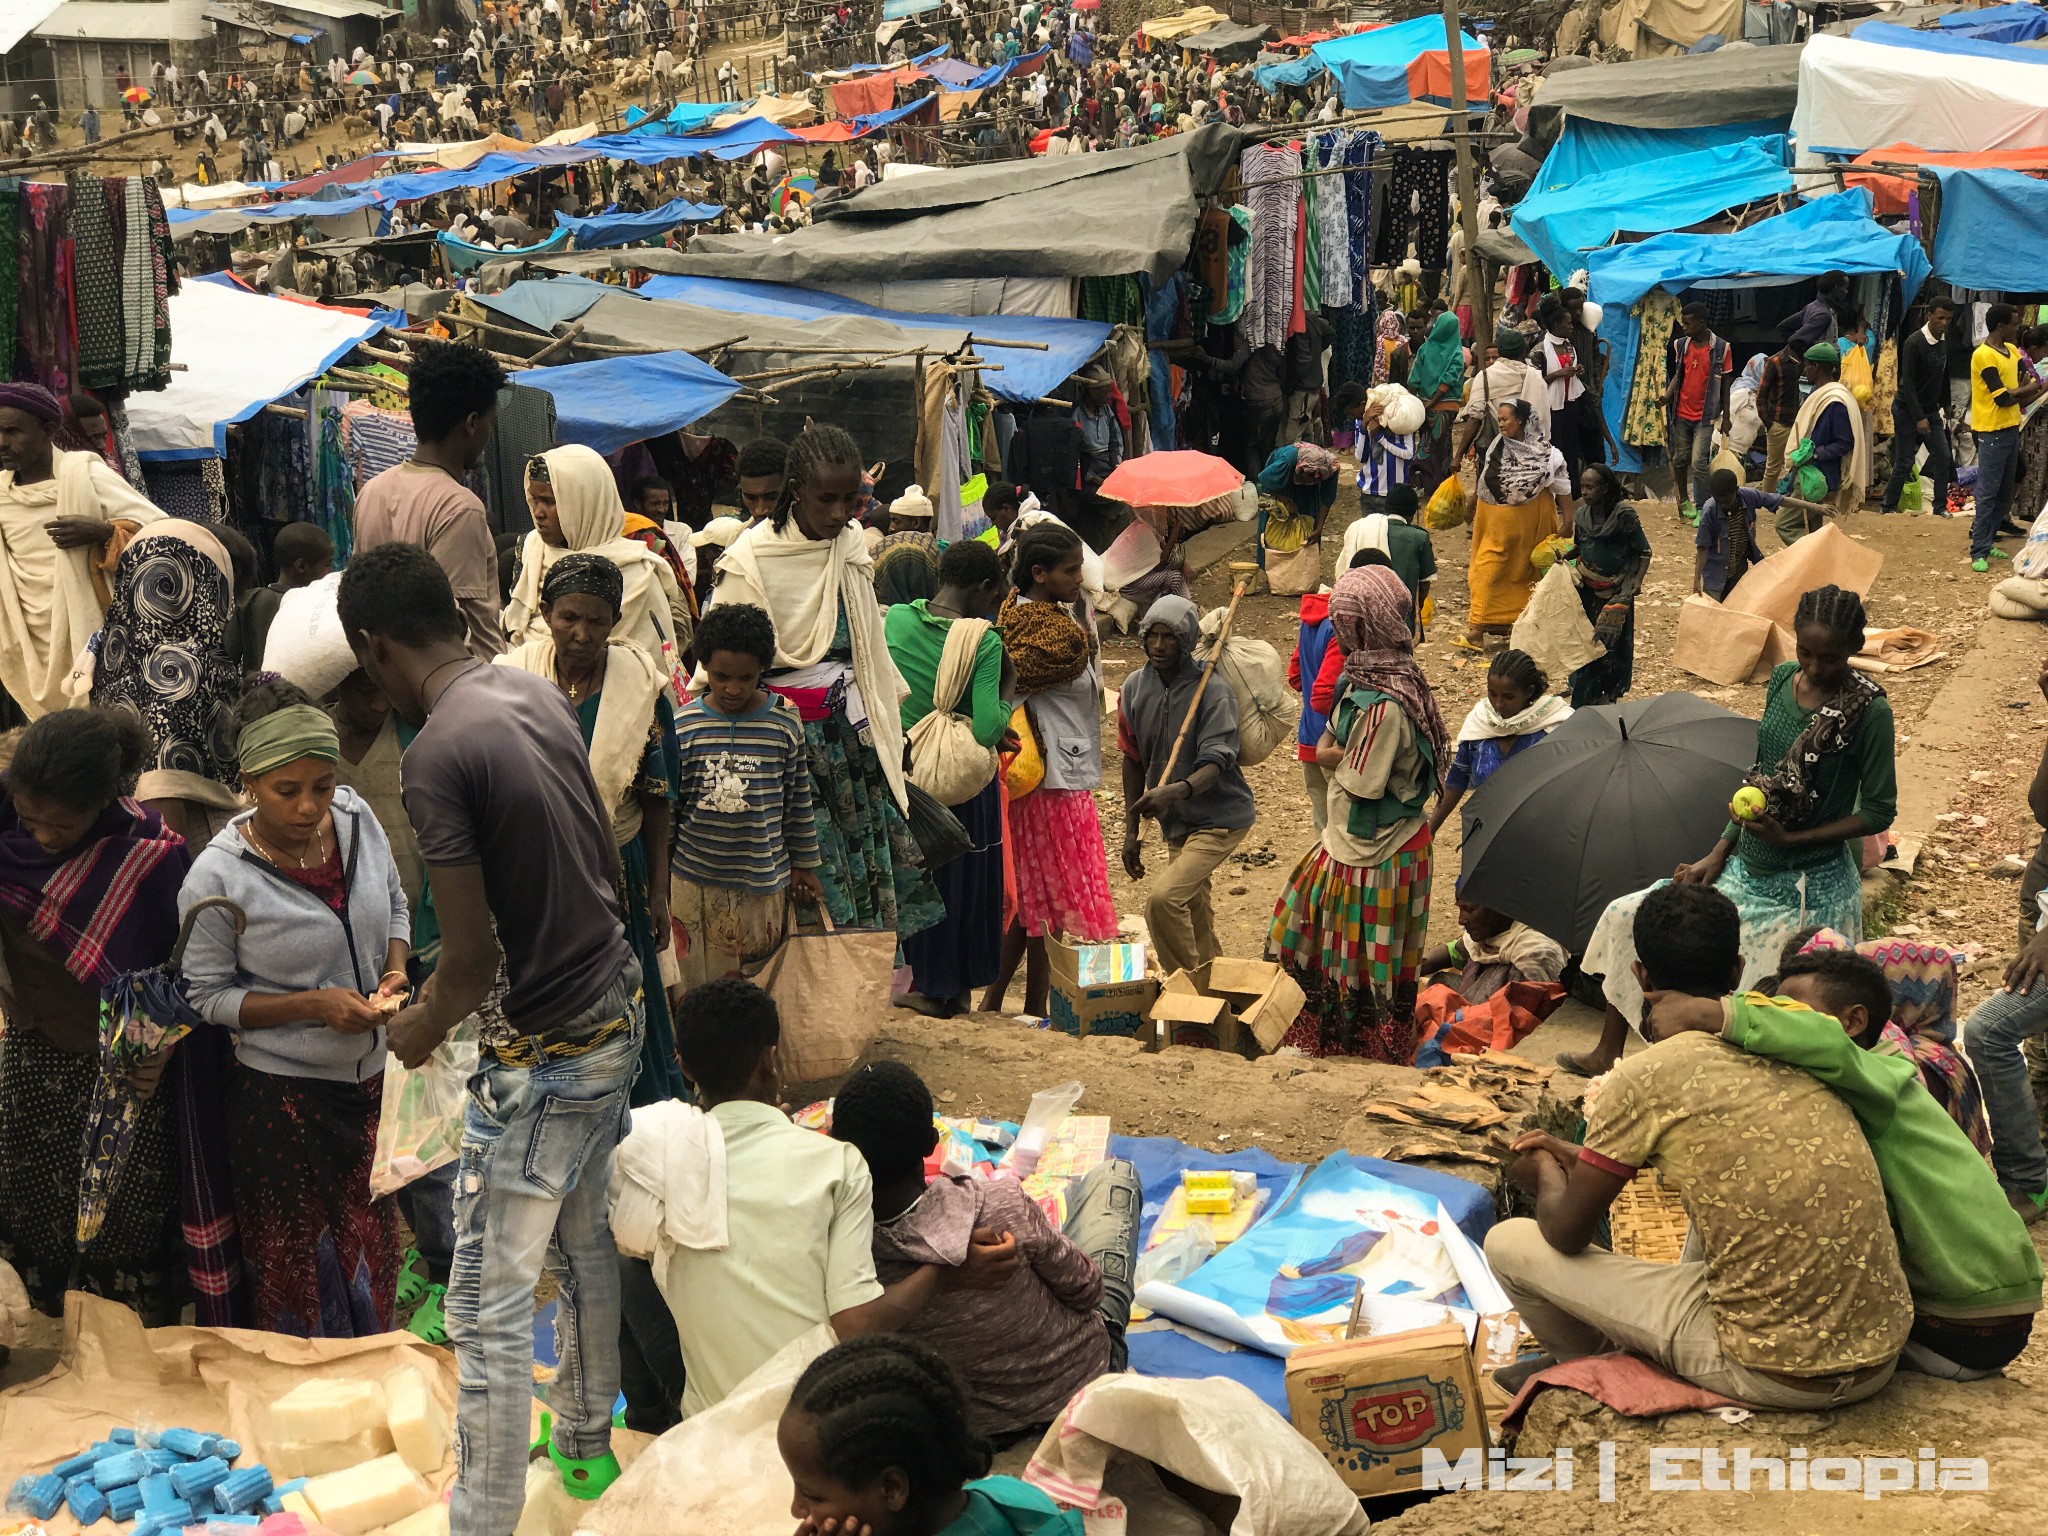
(303, 987)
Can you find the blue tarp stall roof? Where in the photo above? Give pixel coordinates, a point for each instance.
(1989, 232)
(730, 143)
(545, 303)
(1588, 148)
(228, 221)
(1025, 375)
(1946, 42)
(872, 122)
(995, 74)
(1650, 198)
(1372, 67)
(695, 114)
(603, 230)
(462, 256)
(896, 10)
(1294, 72)
(1999, 23)
(619, 400)
(1833, 233)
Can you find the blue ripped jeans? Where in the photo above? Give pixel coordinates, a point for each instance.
(536, 1162)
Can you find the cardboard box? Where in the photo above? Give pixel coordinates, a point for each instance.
(1373, 1406)
(1099, 989)
(1231, 1005)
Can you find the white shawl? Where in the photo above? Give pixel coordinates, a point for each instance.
(1855, 468)
(802, 583)
(49, 608)
(1485, 723)
(625, 715)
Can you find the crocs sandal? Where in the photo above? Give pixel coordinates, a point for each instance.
(429, 1322)
(1462, 644)
(412, 1280)
(583, 1477)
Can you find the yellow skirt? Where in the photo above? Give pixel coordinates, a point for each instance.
(1503, 539)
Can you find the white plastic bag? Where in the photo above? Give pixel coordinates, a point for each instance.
(419, 1127)
(306, 645)
(2032, 560)
(1267, 709)
(1554, 629)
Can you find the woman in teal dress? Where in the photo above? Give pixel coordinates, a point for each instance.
(621, 700)
(877, 1442)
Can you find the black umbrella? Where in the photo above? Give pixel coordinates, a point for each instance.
(1615, 799)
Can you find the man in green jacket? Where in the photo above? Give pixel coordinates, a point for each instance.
(1972, 1269)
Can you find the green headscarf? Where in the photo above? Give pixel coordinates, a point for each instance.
(1438, 361)
(284, 736)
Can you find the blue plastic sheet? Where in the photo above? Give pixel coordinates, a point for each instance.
(1653, 197)
(995, 74)
(462, 256)
(545, 302)
(1372, 67)
(897, 10)
(1294, 72)
(619, 400)
(274, 213)
(1999, 23)
(1963, 45)
(603, 230)
(689, 115)
(1833, 233)
(1989, 233)
(1026, 375)
(1588, 148)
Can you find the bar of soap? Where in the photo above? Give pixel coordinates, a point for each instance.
(294, 1503)
(419, 1429)
(328, 1408)
(379, 1492)
(300, 1459)
(431, 1521)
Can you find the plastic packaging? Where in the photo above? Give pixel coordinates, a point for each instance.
(420, 1126)
(1049, 1106)
(1178, 1257)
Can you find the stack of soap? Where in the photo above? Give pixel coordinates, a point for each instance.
(359, 1500)
(327, 1425)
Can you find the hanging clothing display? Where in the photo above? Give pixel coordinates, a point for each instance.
(93, 261)
(1272, 180)
(334, 487)
(1359, 152)
(374, 439)
(46, 323)
(1642, 423)
(525, 429)
(1332, 222)
(1111, 300)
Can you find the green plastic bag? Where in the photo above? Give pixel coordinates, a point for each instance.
(1913, 493)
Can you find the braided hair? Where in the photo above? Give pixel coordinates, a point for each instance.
(884, 1401)
(816, 447)
(1835, 608)
(1519, 671)
(1039, 544)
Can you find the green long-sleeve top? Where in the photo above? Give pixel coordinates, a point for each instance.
(1861, 781)
(917, 638)
(1965, 1251)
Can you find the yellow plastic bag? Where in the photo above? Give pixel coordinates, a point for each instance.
(1446, 507)
(1024, 770)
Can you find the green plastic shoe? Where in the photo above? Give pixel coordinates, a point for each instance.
(1980, 566)
(429, 1322)
(412, 1280)
(1688, 513)
(585, 1477)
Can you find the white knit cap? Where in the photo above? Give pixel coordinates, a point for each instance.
(912, 503)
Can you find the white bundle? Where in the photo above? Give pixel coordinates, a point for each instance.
(307, 645)
(1400, 411)
(1592, 313)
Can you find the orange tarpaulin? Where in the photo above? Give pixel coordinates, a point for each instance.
(1888, 191)
(1429, 76)
(869, 94)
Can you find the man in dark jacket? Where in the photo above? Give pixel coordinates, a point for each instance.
(1916, 411)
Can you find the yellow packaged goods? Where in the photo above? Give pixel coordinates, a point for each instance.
(1377, 1407)
(328, 1408)
(376, 1493)
(418, 1425)
(1216, 1193)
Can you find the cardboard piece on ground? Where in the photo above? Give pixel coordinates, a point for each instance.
(1372, 1406)
(1099, 989)
(1719, 643)
(1233, 1005)
(1827, 556)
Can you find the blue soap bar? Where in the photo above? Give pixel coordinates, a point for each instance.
(71, 1466)
(121, 1436)
(37, 1496)
(242, 1491)
(161, 1459)
(199, 1477)
(160, 1498)
(249, 1520)
(124, 1502)
(189, 1444)
(119, 1470)
(225, 1449)
(86, 1502)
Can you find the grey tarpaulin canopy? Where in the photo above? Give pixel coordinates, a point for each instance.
(1225, 38)
(1504, 247)
(1729, 85)
(1106, 215)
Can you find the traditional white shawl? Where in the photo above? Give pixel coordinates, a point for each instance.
(1485, 723)
(802, 583)
(625, 715)
(592, 518)
(49, 608)
(1855, 468)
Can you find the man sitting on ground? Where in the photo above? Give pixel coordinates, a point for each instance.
(1798, 1302)
(1975, 1277)
(1021, 1351)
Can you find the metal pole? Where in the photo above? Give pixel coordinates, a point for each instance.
(1468, 202)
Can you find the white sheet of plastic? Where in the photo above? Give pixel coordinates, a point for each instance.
(240, 351)
(1855, 95)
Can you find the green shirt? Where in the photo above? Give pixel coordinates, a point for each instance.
(1413, 556)
(917, 638)
(1860, 780)
(1004, 1506)
(1965, 1251)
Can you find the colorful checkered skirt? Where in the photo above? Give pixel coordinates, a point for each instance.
(1352, 937)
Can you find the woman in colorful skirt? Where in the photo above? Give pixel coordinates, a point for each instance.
(305, 988)
(620, 696)
(1824, 763)
(88, 889)
(807, 567)
(1059, 866)
(1350, 925)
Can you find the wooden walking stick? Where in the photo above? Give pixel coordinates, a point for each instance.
(1202, 683)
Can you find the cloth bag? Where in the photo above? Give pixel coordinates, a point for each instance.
(1267, 708)
(419, 1127)
(1292, 574)
(832, 990)
(1554, 629)
(1444, 1019)
(946, 762)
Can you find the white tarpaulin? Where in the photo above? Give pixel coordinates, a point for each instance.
(1855, 95)
(240, 351)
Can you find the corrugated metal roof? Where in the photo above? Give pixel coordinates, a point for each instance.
(335, 9)
(20, 17)
(132, 21)
(249, 20)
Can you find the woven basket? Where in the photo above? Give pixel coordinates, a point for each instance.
(1648, 1220)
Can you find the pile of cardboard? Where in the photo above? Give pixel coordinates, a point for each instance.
(1243, 1006)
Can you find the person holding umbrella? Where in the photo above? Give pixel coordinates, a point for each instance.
(1825, 768)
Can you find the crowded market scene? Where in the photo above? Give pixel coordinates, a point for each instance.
(1368, 673)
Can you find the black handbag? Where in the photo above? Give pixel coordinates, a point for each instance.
(938, 831)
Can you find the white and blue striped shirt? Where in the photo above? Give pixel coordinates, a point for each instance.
(1384, 461)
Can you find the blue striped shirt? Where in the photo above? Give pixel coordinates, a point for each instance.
(744, 814)
(1384, 463)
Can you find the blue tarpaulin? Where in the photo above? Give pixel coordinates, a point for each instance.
(603, 230)
(224, 220)
(1587, 148)
(1999, 24)
(995, 74)
(462, 256)
(1833, 233)
(1026, 375)
(1294, 72)
(1651, 198)
(545, 302)
(1963, 45)
(1372, 67)
(619, 400)
(689, 115)
(1989, 233)
(896, 10)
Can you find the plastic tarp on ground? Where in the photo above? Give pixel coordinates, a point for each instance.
(1990, 230)
(601, 230)
(1651, 198)
(1409, 61)
(1730, 85)
(229, 221)
(1889, 190)
(239, 351)
(1025, 375)
(1588, 148)
(619, 400)
(1855, 94)
(1122, 211)
(1834, 233)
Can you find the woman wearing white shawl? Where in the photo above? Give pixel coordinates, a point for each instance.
(1516, 711)
(807, 567)
(576, 510)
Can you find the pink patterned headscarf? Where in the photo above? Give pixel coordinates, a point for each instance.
(1369, 619)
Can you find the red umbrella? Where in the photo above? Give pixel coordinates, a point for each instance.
(1178, 478)
(1087, 5)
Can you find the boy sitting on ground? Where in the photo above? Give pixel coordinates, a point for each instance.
(1798, 1301)
(1491, 950)
(1023, 1350)
(1975, 1277)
